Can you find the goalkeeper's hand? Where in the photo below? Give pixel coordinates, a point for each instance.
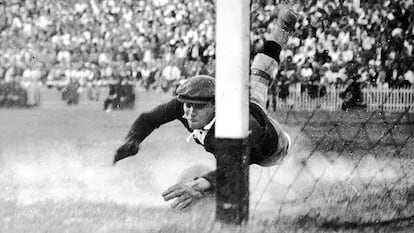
(186, 194)
(129, 148)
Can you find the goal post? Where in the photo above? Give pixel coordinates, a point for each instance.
(232, 110)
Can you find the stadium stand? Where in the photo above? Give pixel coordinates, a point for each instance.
(52, 41)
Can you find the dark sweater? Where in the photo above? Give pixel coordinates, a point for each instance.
(263, 138)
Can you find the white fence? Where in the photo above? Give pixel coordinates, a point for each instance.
(389, 100)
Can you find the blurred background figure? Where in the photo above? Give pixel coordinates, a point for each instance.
(12, 94)
(352, 96)
(31, 83)
(114, 97)
(127, 94)
(70, 93)
(170, 76)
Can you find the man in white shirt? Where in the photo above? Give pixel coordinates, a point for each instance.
(409, 75)
(171, 74)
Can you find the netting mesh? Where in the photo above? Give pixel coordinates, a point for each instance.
(354, 169)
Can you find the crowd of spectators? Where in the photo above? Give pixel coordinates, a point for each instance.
(160, 42)
(156, 42)
(337, 42)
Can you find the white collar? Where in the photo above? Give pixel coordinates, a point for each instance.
(200, 134)
(209, 125)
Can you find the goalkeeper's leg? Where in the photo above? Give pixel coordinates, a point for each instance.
(263, 70)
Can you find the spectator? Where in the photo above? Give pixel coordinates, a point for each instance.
(409, 75)
(181, 54)
(70, 93)
(352, 96)
(114, 98)
(127, 94)
(12, 94)
(170, 76)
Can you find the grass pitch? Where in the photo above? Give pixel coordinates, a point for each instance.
(347, 172)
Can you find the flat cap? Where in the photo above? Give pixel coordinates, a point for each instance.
(198, 89)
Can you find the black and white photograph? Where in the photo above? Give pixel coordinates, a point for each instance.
(206, 116)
